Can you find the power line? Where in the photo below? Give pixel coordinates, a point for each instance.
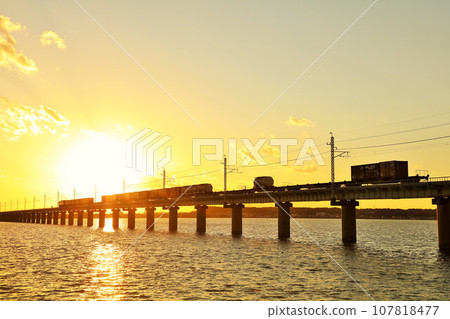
(393, 133)
(400, 143)
(394, 123)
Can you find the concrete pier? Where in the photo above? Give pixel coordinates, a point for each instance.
(284, 219)
(33, 217)
(80, 217)
(63, 217)
(443, 221)
(49, 217)
(101, 218)
(236, 219)
(90, 218)
(115, 218)
(201, 218)
(150, 212)
(71, 213)
(348, 220)
(173, 218)
(43, 217)
(131, 218)
(55, 218)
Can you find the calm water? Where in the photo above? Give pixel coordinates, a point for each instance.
(393, 260)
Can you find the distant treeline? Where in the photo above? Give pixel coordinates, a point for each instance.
(303, 212)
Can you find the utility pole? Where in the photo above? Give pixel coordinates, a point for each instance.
(224, 174)
(164, 178)
(124, 185)
(332, 157)
(34, 201)
(45, 198)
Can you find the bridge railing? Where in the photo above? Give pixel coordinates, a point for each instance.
(439, 179)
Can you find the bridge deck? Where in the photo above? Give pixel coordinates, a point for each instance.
(375, 191)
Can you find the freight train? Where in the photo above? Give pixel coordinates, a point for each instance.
(163, 193)
(382, 172)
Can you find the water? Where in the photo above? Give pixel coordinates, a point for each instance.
(393, 260)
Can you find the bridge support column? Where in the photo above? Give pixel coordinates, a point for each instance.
(150, 212)
(284, 219)
(42, 220)
(55, 218)
(348, 220)
(115, 218)
(80, 217)
(49, 217)
(101, 218)
(201, 218)
(90, 218)
(131, 218)
(443, 221)
(71, 213)
(33, 217)
(173, 218)
(236, 219)
(63, 217)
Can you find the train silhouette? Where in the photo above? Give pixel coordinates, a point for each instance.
(382, 172)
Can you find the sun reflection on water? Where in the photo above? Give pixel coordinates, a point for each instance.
(105, 275)
(108, 226)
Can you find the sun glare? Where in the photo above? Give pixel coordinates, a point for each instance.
(97, 159)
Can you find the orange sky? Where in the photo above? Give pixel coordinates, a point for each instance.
(70, 96)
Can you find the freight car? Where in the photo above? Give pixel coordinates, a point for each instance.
(264, 182)
(383, 172)
(162, 193)
(75, 202)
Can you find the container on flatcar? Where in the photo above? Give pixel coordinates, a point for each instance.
(393, 170)
(264, 182)
(378, 172)
(174, 192)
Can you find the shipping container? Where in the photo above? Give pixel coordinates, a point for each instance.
(378, 172)
(393, 170)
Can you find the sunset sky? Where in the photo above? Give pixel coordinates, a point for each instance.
(70, 96)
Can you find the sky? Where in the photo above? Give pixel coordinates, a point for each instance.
(80, 78)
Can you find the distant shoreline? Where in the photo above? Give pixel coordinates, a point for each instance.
(303, 212)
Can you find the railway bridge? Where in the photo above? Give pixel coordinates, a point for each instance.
(437, 189)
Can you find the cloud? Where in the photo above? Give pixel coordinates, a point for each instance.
(303, 122)
(8, 53)
(17, 120)
(305, 168)
(49, 37)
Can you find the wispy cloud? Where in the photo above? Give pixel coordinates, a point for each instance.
(49, 37)
(305, 168)
(17, 120)
(9, 56)
(295, 122)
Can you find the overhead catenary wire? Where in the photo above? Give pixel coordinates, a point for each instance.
(393, 133)
(399, 143)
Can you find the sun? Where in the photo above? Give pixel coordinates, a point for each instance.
(96, 161)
